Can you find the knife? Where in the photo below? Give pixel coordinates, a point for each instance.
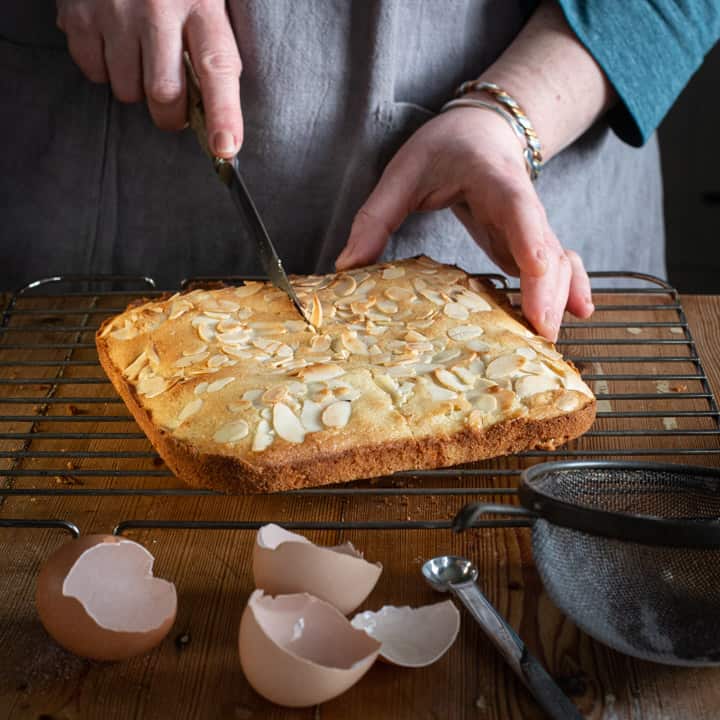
(229, 173)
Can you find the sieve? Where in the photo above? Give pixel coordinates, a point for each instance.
(629, 551)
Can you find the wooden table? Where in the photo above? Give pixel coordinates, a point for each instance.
(195, 673)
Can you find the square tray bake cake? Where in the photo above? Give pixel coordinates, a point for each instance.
(410, 365)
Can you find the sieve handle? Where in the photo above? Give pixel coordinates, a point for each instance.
(525, 665)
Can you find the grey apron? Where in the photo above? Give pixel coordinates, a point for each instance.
(330, 90)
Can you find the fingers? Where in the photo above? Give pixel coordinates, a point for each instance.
(217, 62)
(123, 61)
(163, 72)
(580, 301)
(85, 42)
(389, 204)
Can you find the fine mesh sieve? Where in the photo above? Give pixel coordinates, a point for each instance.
(629, 551)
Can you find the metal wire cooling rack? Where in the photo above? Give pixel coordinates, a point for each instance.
(61, 421)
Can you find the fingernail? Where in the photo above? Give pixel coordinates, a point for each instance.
(550, 321)
(590, 304)
(224, 143)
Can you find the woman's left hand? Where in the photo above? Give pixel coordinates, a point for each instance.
(468, 159)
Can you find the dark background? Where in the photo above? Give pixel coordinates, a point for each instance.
(690, 147)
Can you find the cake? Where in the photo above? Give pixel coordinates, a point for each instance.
(407, 365)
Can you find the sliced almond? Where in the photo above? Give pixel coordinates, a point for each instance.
(263, 436)
(473, 301)
(440, 394)
(344, 285)
(567, 402)
(248, 289)
(528, 385)
(178, 308)
(238, 407)
(478, 346)
(310, 416)
(218, 360)
(353, 344)
(278, 393)
(134, 368)
(463, 333)
(337, 414)
(320, 343)
(201, 387)
(232, 432)
(191, 359)
(316, 313)
(456, 311)
(151, 386)
(485, 403)
(220, 383)
(449, 380)
(126, 333)
(445, 356)
(399, 294)
(196, 349)
(286, 424)
(507, 365)
(464, 375)
(190, 409)
(389, 307)
(393, 272)
(433, 296)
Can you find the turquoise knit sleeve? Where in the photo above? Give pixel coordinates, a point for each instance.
(648, 49)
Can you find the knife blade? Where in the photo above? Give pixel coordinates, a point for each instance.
(229, 173)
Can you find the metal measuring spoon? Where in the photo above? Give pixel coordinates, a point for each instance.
(458, 575)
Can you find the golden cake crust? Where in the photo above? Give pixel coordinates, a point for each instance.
(236, 394)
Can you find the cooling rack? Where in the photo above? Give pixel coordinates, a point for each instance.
(65, 433)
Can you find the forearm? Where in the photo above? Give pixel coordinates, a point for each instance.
(554, 78)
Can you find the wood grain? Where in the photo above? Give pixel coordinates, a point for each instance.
(201, 678)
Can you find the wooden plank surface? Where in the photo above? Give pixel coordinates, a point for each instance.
(201, 678)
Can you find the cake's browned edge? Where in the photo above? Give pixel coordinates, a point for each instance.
(232, 474)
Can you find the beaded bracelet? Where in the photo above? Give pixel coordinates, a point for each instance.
(534, 148)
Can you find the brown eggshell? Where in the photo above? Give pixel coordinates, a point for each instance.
(298, 651)
(286, 563)
(97, 598)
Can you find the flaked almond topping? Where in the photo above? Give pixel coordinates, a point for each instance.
(284, 351)
(345, 392)
(310, 416)
(151, 386)
(439, 394)
(286, 424)
(220, 383)
(248, 289)
(456, 311)
(125, 333)
(337, 414)
(528, 385)
(190, 409)
(240, 406)
(295, 325)
(206, 332)
(263, 437)
(217, 314)
(201, 387)
(473, 301)
(268, 327)
(217, 360)
(567, 402)
(478, 345)
(505, 366)
(464, 375)
(134, 368)
(179, 307)
(365, 286)
(527, 352)
(320, 343)
(191, 359)
(319, 372)
(362, 307)
(316, 312)
(463, 333)
(399, 294)
(278, 393)
(449, 380)
(389, 307)
(232, 432)
(445, 356)
(433, 296)
(485, 403)
(344, 285)
(393, 272)
(353, 343)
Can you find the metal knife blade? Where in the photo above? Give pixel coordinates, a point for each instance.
(229, 173)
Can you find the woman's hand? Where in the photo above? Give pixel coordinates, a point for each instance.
(469, 159)
(138, 45)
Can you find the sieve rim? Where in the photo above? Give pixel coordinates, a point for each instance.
(643, 529)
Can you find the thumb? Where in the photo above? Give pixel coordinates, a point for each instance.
(388, 205)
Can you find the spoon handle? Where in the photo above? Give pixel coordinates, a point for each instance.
(525, 665)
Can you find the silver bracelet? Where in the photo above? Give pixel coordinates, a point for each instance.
(511, 121)
(505, 99)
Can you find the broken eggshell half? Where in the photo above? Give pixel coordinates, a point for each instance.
(97, 597)
(286, 563)
(412, 637)
(297, 650)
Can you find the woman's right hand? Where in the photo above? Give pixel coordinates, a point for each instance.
(137, 45)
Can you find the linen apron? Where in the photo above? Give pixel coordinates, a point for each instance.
(330, 89)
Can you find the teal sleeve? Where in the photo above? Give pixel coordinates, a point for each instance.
(648, 50)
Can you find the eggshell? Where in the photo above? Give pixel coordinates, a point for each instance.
(298, 651)
(97, 597)
(412, 637)
(285, 563)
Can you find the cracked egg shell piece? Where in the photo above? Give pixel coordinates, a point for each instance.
(415, 365)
